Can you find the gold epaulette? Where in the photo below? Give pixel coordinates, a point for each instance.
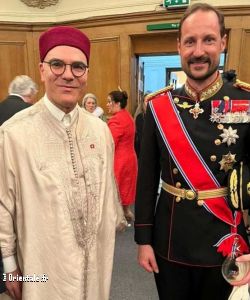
(159, 92)
(242, 85)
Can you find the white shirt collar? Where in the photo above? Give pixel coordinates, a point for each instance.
(59, 114)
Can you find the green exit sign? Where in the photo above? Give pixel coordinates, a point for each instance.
(176, 3)
(163, 26)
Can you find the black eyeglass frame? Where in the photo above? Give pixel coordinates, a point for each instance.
(64, 67)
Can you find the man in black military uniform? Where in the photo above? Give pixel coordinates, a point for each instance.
(193, 137)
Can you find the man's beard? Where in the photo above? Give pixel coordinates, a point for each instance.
(202, 59)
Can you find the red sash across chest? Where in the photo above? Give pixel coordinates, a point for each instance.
(193, 167)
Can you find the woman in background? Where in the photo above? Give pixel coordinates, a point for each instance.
(89, 103)
(122, 128)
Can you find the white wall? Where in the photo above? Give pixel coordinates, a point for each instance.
(66, 10)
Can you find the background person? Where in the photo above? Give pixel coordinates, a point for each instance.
(139, 122)
(122, 128)
(89, 103)
(2, 285)
(185, 236)
(58, 200)
(22, 92)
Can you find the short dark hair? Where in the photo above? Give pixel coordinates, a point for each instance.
(119, 96)
(203, 7)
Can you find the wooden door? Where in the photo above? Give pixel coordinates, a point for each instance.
(149, 44)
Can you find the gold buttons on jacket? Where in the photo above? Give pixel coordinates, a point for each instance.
(176, 100)
(226, 98)
(248, 188)
(220, 126)
(213, 157)
(190, 195)
(178, 199)
(178, 184)
(200, 202)
(217, 142)
(175, 171)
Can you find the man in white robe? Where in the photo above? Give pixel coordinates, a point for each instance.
(58, 202)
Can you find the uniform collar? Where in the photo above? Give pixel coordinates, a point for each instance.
(206, 93)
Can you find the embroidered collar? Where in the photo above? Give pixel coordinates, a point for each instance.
(206, 93)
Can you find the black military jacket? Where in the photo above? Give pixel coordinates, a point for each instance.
(2, 285)
(185, 232)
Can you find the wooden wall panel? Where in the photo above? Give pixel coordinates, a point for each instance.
(13, 62)
(234, 49)
(17, 55)
(104, 74)
(155, 43)
(244, 61)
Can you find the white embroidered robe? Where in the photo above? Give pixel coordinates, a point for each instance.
(58, 203)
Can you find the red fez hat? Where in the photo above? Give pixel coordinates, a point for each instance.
(63, 36)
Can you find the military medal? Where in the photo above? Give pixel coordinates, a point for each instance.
(196, 110)
(233, 270)
(230, 111)
(185, 105)
(229, 136)
(233, 191)
(227, 161)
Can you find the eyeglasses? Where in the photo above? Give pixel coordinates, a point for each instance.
(58, 67)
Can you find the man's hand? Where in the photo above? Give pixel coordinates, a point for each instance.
(14, 288)
(146, 258)
(246, 279)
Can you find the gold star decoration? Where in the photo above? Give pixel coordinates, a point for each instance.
(227, 161)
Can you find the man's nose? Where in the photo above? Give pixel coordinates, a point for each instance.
(199, 49)
(68, 73)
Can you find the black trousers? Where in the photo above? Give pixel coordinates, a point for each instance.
(179, 282)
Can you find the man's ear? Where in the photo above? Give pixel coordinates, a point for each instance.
(41, 69)
(223, 43)
(178, 45)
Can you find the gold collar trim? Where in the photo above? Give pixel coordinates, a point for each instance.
(206, 93)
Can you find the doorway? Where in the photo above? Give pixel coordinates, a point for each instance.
(148, 47)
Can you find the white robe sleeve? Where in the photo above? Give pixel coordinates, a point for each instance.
(7, 198)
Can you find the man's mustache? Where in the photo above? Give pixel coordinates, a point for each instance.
(195, 60)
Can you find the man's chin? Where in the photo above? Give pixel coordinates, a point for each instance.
(69, 101)
(199, 76)
(68, 104)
